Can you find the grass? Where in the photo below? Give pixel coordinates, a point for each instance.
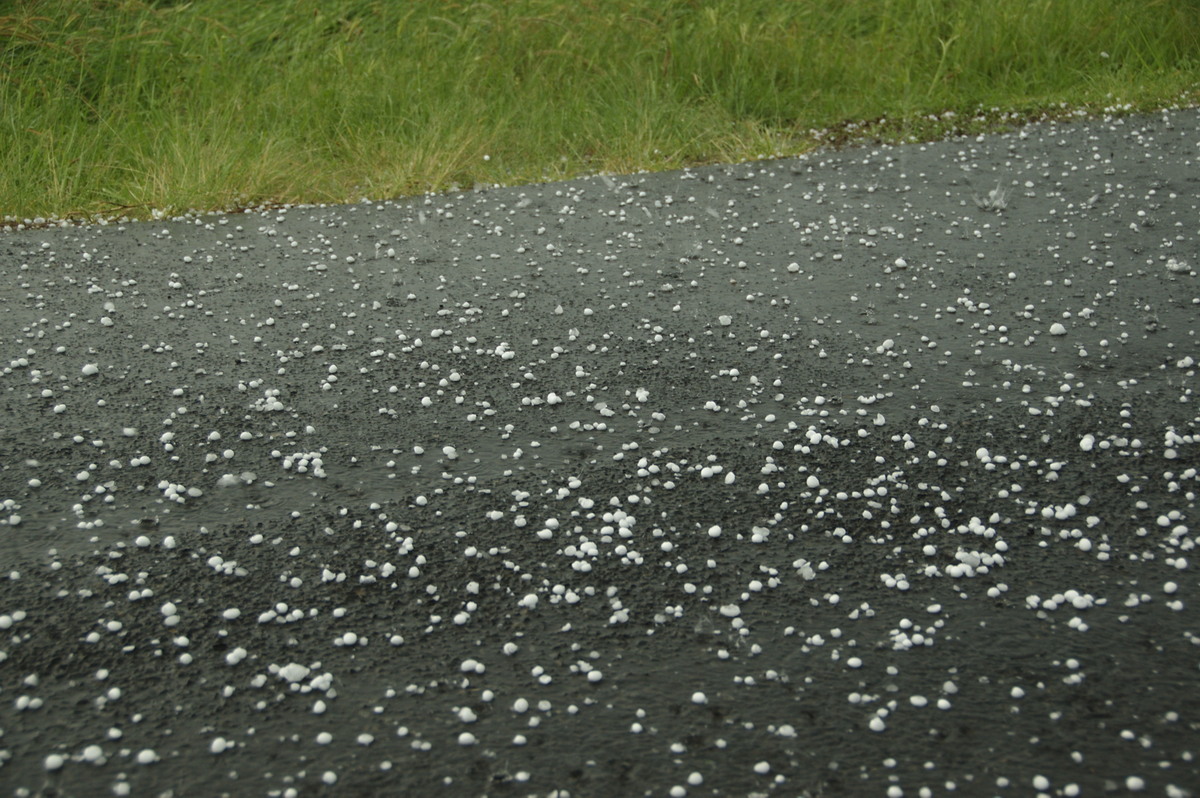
(134, 108)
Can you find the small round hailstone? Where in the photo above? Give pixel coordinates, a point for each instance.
(1041, 783)
(762, 768)
(678, 791)
(324, 738)
(1057, 329)
(466, 738)
(53, 762)
(725, 320)
(1135, 783)
(147, 756)
(714, 531)
(877, 724)
(699, 698)
(329, 777)
(594, 676)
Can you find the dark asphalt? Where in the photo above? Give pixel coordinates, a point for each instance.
(868, 473)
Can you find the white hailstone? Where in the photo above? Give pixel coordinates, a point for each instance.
(89, 369)
(147, 756)
(53, 762)
(324, 738)
(762, 768)
(1087, 442)
(812, 482)
(467, 715)
(520, 706)
(877, 724)
(714, 531)
(1057, 329)
(329, 777)
(725, 320)
(730, 610)
(450, 452)
(699, 698)
(219, 745)
(466, 738)
(1041, 783)
(1135, 783)
(594, 676)
(293, 672)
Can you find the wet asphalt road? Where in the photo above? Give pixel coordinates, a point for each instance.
(868, 473)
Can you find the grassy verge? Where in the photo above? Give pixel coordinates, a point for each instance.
(114, 108)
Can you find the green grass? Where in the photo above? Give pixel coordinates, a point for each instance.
(114, 108)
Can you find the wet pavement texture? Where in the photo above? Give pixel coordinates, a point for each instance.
(872, 472)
